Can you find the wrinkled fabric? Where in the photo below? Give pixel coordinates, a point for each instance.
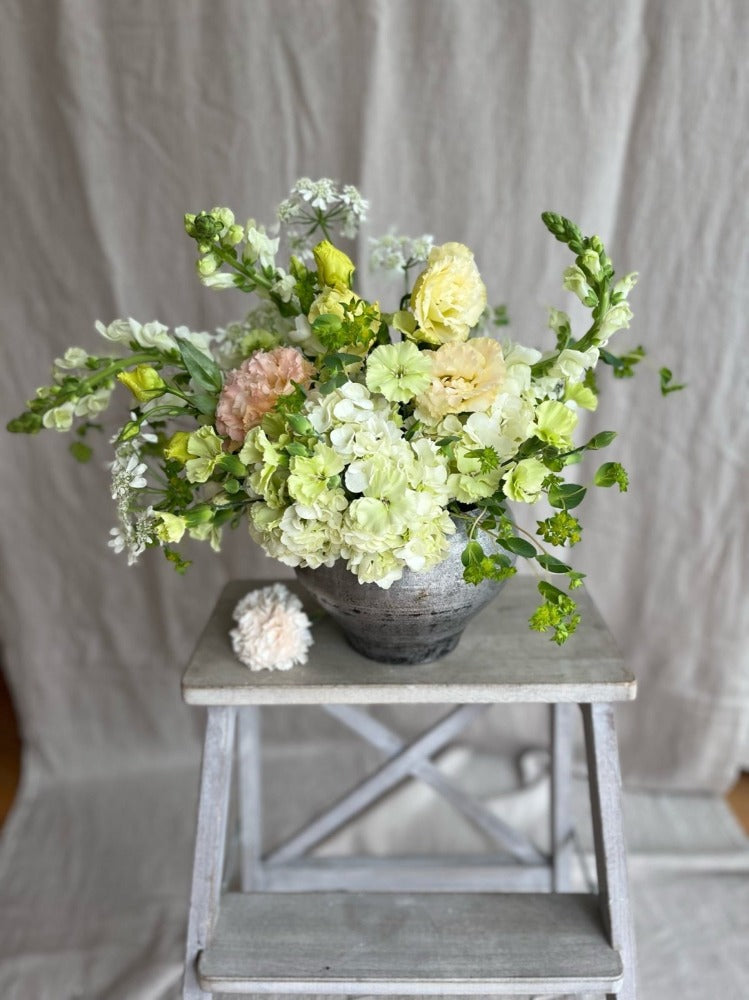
(464, 120)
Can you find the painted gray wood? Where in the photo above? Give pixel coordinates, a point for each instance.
(560, 814)
(386, 943)
(249, 796)
(215, 786)
(440, 873)
(604, 781)
(374, 787)
(475, 812)
(497, 660)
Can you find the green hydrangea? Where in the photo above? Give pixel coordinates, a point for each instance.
(399, 371)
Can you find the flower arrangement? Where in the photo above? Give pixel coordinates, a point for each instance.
(337, 430)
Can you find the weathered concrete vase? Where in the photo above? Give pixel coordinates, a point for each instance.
(418, 619)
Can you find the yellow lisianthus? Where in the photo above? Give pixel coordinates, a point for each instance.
(334, 268)
(144, 382)
(448, 297)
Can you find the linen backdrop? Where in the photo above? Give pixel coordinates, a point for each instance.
(462, 119)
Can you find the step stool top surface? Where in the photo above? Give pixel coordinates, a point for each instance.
(498, 659)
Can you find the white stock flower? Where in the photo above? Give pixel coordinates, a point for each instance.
(273, 632)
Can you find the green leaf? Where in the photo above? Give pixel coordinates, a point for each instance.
(348, 359)
(666, 375)
(552, 564)
(204, 402)
(551, 593)
(232, 465)
(204, 372)
(612, 474)
(566, 496)
(333, 383)
(80, 451)
(472, 554)
(300, 424)
(600, 440)
(519, 546)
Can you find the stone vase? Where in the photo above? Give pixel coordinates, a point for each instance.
(420, 617)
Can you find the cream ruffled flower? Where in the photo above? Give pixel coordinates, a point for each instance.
(448, 297)
(466, 378)
(273, 632)
(252, 390)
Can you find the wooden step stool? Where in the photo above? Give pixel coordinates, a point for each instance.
(422, 926)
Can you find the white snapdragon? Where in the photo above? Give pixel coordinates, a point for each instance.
(219, 280)
(119, 331)
(60, 418)
(573, 364)
(284, 285)
(93, 403)
(153, 334)
(259, 247)
(203, 341)
(74, 357)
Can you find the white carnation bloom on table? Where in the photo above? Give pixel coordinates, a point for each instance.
(273, 632)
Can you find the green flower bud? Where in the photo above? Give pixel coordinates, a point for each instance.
(206, 226)
(207, 265)
(334, 268)
(224, 215)
(234, 235)
(176, 447)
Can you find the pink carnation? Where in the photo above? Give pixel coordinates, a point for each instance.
(251, 390)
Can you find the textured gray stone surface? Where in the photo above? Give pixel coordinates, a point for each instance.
(419, 618)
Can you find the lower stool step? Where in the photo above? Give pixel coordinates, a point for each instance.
(438, 944)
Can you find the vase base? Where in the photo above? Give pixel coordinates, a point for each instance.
(402, 653)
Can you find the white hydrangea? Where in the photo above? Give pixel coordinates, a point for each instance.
(273, 632)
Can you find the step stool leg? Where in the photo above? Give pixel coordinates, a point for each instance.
(604, 779)
(561, 790)
(249, 795)
(210, 842)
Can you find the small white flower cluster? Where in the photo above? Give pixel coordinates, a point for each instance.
(273, 632)
(136, 528)
(398, 253)
(309, 201)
